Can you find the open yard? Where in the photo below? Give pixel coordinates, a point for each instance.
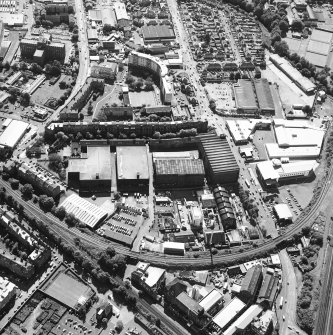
(222, 94)
(47, 91)
(137, 99)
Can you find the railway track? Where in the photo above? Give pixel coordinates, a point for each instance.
(172, 261)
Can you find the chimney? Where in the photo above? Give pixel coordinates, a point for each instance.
(138, 175)
(97, 175)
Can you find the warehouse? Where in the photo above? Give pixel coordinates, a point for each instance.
(251, 284)
(269, 290)
(132, 168)
(264, 96)
(305, 84)
(13, 134)
(212, 302)
(91, 172)
(283, 213)
(85, 211)
(245, 97)
(274, 151)
(220, 163)
(227, 315)
(158, 34)
(214, 237)
(179, 172)
(174, 248)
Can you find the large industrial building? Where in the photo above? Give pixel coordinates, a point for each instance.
(271, 173)
(251, 284)
(212, 302)
(269, 290)
(264, 96)
(88, 213)
(220, 163)
(179, 173)
(305, 84)
(158, 34)
(132, 168)
(13, 134)
(91, 172)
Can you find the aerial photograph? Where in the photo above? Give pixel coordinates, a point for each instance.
(166, 167)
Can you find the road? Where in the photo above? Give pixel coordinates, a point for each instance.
(289, 294)
(81, 22)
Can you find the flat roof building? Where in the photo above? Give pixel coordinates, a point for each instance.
(123, 19)
(132, 168)
(179, 172)
(13, 133)
(283, 212)
(91, 172)
(174, 248)
(157, 33)
(220, 162)
(264, 96)
(85, 211)
(227, 315)
(274, 151)
(245, 96)
(7, 292)
(212, 302)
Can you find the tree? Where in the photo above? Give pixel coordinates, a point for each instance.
(60, 213)
(55, 161)
(306, 231)
(281, 47)
(119, 326)
(25, 99)
(27, 191)
(71, 219)
(107, 29)
(297, 25)
(75, 38)
(14, 183)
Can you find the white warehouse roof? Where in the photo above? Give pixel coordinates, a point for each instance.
(232, 309)
(13, 133)
(283, 212)
(84, 210)
(210, 299)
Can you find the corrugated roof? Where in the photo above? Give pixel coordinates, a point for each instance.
(264, 95)
(156, 32)
(251, 279)
(179, 166)
(244, 94)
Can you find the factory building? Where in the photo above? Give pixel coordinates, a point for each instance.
(91, 172)
(219, 161)
(123, 19)
(264, 96)
(245, 97)
(305, 84)
(148, 278)
(251, 284)
(174, 248)
(225, 208)
(132, 168)
(85, 211)
(283, 213)
(269, 290)
(212, 302)
(179, 173)
(13, 134)
(226, 316)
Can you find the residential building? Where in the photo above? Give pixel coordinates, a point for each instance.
(35, 175)
(57, 13)
(7, 292)
(155, 65)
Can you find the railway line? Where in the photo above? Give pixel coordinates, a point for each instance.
(172, 261)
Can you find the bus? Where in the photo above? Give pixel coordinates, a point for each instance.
(281, 302)
(247, 183)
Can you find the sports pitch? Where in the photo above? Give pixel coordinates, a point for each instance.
(68, 290)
